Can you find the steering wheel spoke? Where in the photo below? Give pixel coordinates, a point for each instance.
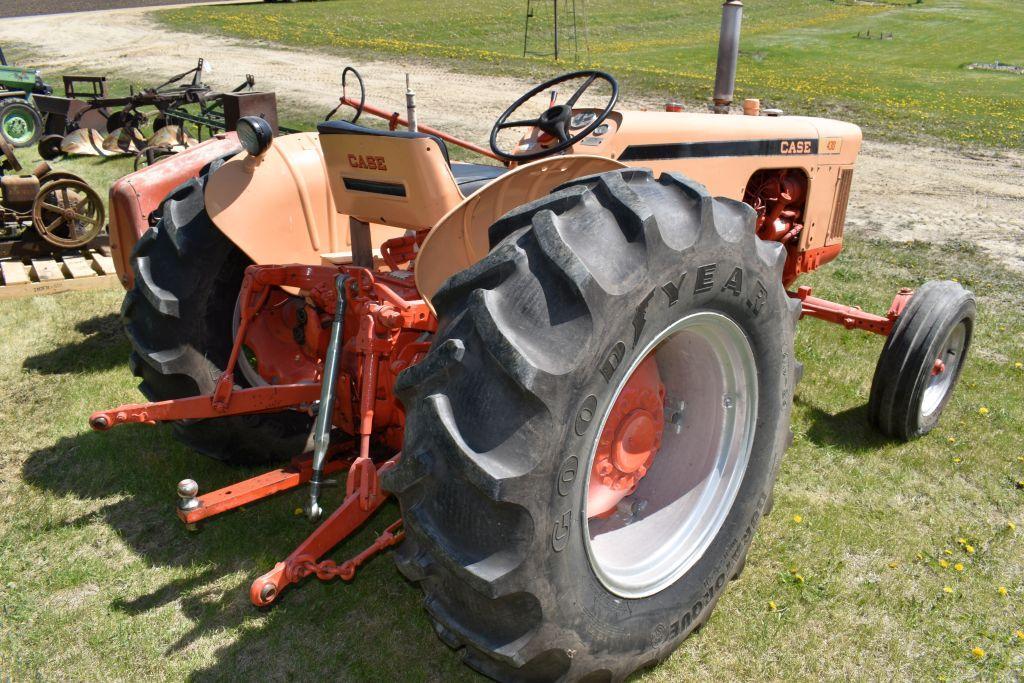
(556, 120)
(522, 123)
(580, 90)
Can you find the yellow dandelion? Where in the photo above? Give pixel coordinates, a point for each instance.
(958, 460)
(798, 519)
(962, 541)
(1020, 483)
(1002, 590)
(1011, 526)
(772, 606)
(1019, 634)
(944, 563)
(978, 652)
(798, 578)
(947, 589)
(959, 566)
(1018, 365)
(951, 439)
(983, 410)
(969, 548)
(948, 551)
(893, 565)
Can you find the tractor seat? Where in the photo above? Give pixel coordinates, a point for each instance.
(396, 177)
(470, 177)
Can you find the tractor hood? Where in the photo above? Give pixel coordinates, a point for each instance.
(672, 140)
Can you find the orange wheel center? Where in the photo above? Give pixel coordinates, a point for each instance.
(635, 441)
(629, 441)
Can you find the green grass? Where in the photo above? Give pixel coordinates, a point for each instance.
(801, 55)
(98, 580)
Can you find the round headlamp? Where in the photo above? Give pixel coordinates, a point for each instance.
(255, 135)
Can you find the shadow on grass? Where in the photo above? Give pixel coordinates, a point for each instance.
(848, 430)
(95, 352)
(373, 628)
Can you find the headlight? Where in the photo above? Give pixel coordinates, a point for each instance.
(255, 134)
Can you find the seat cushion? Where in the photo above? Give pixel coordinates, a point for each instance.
(471, 177)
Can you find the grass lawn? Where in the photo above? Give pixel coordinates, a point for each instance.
(801, 55)
(98, 579)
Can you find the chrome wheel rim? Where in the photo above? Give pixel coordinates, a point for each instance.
(950, 355)
(665, 526)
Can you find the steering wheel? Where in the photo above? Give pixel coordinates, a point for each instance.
(556, 120)
(362, 95)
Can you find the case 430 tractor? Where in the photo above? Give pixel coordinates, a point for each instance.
(573, 367)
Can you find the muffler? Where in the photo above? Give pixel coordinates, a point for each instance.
(728, 55)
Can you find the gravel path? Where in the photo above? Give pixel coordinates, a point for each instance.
(26, 8)
(901, 192)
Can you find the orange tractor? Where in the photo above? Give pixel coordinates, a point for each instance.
(572, 366)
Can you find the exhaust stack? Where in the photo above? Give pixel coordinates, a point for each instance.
(728, 55)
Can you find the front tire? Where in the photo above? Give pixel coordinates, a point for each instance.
(505, 416)
(922, 359)
(178, 317)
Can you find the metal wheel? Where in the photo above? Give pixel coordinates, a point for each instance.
(945, 370)
(676, 441)
(68, 213)
(20, 123)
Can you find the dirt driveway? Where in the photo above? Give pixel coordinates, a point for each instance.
(901, 192)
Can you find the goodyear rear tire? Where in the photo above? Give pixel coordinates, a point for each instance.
(178, 317)
(504, 413)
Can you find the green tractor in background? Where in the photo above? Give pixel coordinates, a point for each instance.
(21, 124)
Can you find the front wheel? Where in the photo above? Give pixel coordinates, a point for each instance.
(594, 436)
(20, 123)
(922, 360)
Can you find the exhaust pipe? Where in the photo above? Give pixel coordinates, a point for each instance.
(728, 55)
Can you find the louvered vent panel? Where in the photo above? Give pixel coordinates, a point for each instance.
(835, 230)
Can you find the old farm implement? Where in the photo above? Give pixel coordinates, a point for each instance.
(150, 123)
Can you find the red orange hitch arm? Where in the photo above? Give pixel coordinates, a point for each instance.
(239, 402)
(852, 317)
(193, 508)
(304, 560)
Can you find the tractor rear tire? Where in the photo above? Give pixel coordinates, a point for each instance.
(910, 390)
(534, 345)
(178, 316)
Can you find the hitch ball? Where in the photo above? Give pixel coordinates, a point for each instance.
(188, 490)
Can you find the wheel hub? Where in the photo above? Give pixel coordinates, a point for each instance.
(629, 441)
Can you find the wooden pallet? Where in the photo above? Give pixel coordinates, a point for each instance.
(66, 272)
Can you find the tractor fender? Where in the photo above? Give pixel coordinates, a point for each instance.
(135, 196)
(278, 207)
(460, 238)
